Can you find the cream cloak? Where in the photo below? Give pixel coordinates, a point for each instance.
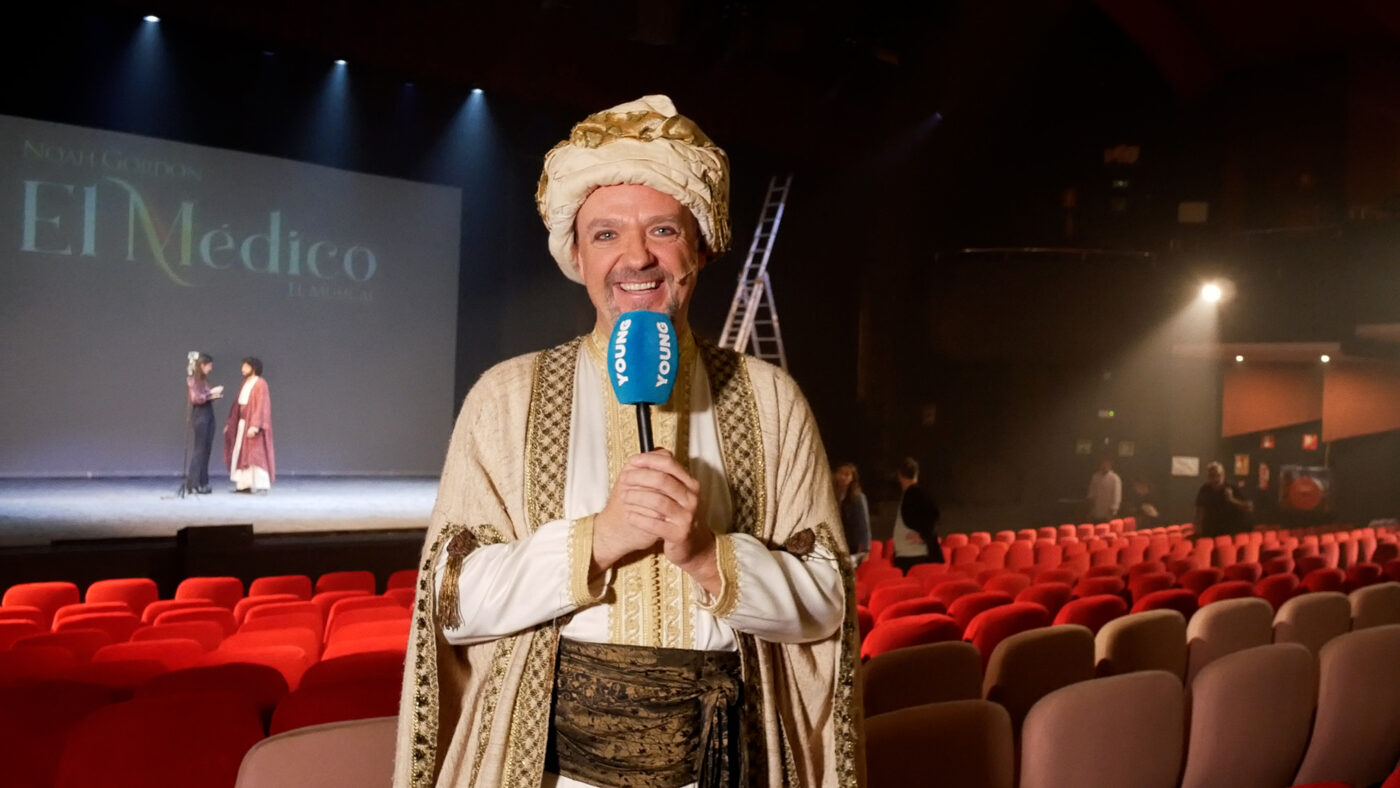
(478, 715)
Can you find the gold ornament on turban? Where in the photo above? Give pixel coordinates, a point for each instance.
(642, 142)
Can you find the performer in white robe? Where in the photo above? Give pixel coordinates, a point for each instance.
(551, 535)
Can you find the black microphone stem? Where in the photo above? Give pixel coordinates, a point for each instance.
(644, 426)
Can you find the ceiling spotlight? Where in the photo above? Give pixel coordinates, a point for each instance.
(1212, 292)
(476, 91)
(1239, 358)
(1326, 358)
(340, 62)
(151, 18)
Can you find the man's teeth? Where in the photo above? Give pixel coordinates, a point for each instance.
(635, 287)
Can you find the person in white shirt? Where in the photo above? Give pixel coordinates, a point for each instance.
(1105, 492)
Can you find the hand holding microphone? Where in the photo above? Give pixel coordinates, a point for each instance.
(654, 498)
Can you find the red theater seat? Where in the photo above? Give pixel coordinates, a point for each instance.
(1178, 599)
(334, 703)
(160, 742)
(48, 597)
(240, 610)
(358, 580)
(1056, 576)
(206, 633)
(1094, 586)
(221, 591)
(968, 606)
(403, 578)
(1249, 572)
(34, 722)
(349, 620)
(24, 613)
(1145, 567)
(309, 610)
(261, 685)
(86, 608)
(355, 669)
(1231, 589)
(219, 615)
(948, 591)
(153, 610)
(890, 593)
(40, 663)
(917, 606)
(992, 626)
(1198, 580)
(172, 654)
(118, 625)
(327, 599)
(909, 631)
(1051, 596)
(1110, 570)
(11, 631)
(396, 643)
(1277, 589)
(1363, 575)
(299, 586)
(402, 596)
(1092, 611)
(1011, 583)
(136, 592)
(81, 643)
(926, 575)
(290, 661)
(1149, 582)
(864, 620)
(1325, 580)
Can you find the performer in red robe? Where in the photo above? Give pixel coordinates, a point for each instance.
(248, 433)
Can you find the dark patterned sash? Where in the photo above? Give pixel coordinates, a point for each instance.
(637, 717)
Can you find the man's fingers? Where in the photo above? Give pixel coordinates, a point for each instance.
(661, 460)
(642, 479)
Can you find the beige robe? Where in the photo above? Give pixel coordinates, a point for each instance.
(479, 714)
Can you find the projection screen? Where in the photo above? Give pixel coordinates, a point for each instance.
(120, 254)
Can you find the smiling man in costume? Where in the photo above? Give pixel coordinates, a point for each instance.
(591, 616)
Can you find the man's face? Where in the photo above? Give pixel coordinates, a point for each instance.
(1215, 477)
(247, 369)
(637, 248)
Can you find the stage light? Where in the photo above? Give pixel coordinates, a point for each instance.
(1212, 292)
(1326, 358)
(151, 18)
(340, 62)
(1239, 358)
(476, 91)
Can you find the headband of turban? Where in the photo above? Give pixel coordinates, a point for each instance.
(642, 142)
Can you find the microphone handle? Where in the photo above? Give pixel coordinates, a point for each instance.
(644, 426)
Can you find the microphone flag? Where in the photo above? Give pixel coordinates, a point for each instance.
(643, 357)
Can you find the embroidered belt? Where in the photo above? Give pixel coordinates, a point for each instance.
(630, 716)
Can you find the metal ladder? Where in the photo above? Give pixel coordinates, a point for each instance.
(753, 315)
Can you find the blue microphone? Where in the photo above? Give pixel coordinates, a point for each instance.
(643, 356)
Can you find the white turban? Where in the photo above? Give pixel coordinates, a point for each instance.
(642, 142)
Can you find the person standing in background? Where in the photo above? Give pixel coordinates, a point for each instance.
(855, 510)
(915, 526)
(248, 433)
(1105, 492)
(201, 398)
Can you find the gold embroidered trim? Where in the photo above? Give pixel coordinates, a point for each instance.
(724, 603)
(580, 562)
(847, 717)
(547, 433)
(546, 469)
(424, 743)
(529, 725)
(500, 665)
(736, 418)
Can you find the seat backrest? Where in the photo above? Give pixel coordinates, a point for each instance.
(967, 607)
(142, 742)
(1027, 666)
(354, 580)
(1051, 596)
(406, 578)
(1011, 583)
(153, 610)
(1312, 620)
(219, 615)
(47, 596)
(1251, 712)
(1092, 611)
(221, 591)
(81, 643)
(909, 631)
(17, 629)
(1356, 734)
(1225, 627)
(351, 754)
(1229, 589)
(136, 592)
(930, 673)
(1144, 583)
(990, 627)
(1198, 580)
(964, 743)
(909, 607)
(262, 685)
(1277, 588)
(206, 633)
(298, 586)
(247, 603)
(883, 597)
(333, 703)
(1325, 579)
(1375, 605)
(118, 625)
(1107, 733)
(1151, 640)
(1178, 599)
(34, 721)
(172, 653)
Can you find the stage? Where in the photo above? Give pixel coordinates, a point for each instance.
(39, 511)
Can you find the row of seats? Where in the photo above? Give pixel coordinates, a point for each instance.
(185, 727)
(1274, 714)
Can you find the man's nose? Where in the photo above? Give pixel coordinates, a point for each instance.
(635, 252)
